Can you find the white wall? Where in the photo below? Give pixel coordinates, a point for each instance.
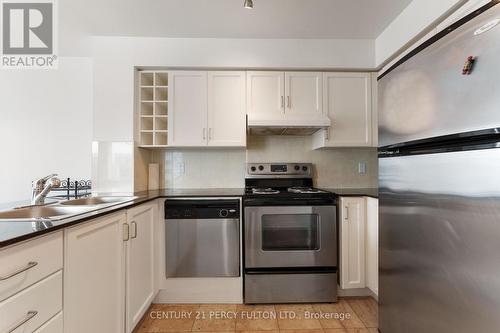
(45, 125)
(414, 21)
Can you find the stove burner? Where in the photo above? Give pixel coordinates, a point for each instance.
(305, 190)
(264, 191)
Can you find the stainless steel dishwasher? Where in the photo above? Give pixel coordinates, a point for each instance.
(202, 237)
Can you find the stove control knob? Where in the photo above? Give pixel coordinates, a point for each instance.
(304, 168)
(253, 168)
(223, 213)
(261, 167)
(297, 168)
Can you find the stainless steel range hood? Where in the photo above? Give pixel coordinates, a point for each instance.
(289, 126)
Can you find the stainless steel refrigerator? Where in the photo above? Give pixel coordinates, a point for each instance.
(439, 166)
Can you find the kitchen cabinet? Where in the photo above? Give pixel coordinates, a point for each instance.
(359, 243)
(140, 276)
(187, 126)
(226, 109)
(276, 99)
(207, 109)
(265, 95)
(303, 91)
(94, 275)
(31, 288)
(109, 271)
(352, 239)
(347, 100)
(372, 244)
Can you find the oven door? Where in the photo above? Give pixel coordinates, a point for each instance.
(290, 236)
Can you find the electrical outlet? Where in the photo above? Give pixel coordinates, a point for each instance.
(362, 168)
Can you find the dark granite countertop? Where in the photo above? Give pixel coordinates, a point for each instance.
(354, 192)
(12, 232)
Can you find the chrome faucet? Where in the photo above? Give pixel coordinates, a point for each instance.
(41, 187)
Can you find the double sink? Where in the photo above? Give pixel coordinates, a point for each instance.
(63, 209)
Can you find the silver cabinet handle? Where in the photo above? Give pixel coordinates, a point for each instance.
(210, 133)
(29, 315)
(126, 232)
(31, 264)
(288, 102)
(204, 133)
(346, 213)
(282, 101)
(327, 134)
(133, 234)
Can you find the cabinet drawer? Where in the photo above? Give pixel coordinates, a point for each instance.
(27, 263)
(54, 325)
(33, 306)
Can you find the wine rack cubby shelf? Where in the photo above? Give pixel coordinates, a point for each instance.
(153, 108)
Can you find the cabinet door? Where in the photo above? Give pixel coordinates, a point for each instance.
(303, 91)
(372, 244)
(187, 122)
(265, 96)
(352, 238)
(348, 102)
(140, 280)
(226, 109)
(94, 276)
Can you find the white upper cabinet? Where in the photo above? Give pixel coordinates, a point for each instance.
(206, 109)
(347, 99)
(265, 95)
(187, 125)
(303, 91)
(285, 99)
(226, 109)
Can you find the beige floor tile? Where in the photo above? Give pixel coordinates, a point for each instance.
(366, 309)
(285, 322)
(174, 318)
(353, 321)
(333, 314)
(256, 318)
(276, 331)
(216, 318)
(302, 331)
(347, 330)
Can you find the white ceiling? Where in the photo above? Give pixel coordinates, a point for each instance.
(336, 19)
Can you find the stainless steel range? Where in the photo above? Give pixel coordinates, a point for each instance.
(290, 236)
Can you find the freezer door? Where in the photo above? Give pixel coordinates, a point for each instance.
(428, 95)
(440, 243)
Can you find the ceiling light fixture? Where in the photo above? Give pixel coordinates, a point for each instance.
(249, 4)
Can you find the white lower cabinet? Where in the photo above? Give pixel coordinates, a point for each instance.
(54, 325)
(140, 278)
(94, 275)
(352, 238)
(32, 307)
(372, 244)
(109, 279)
(359, 243)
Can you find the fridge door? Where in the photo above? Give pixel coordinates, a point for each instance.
(440, 243)
(428, 95)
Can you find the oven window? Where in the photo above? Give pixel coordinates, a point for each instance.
(290, 232)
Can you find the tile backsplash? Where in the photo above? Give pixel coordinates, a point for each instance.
(225, 168)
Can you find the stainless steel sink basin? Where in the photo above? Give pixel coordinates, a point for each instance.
(42, 212)
(97, 201)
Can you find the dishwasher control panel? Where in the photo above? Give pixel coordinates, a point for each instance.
(202, 209)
